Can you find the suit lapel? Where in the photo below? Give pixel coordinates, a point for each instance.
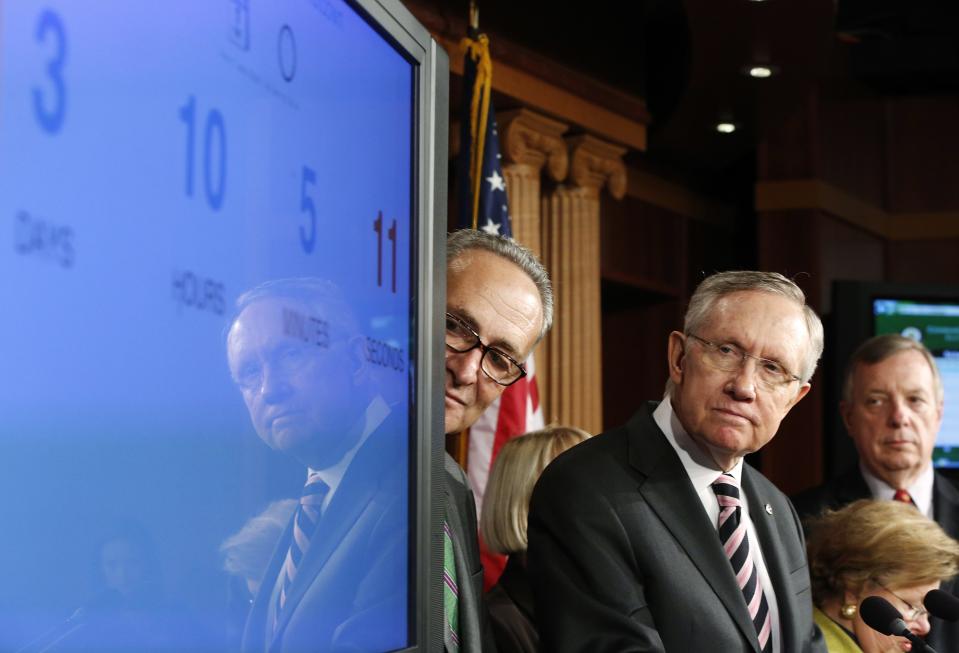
(773, 552)
(669, 493)
(257, 627)
(340, 518)
(344, 516)
(852, 487)
(458, 498)
(945, 505)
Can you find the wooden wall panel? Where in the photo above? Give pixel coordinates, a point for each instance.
(642, 245)
(922, 162)
(789, 243)
(852, 146)
(924, 261)
(635, 331)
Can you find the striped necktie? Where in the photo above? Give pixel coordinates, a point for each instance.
(735, 541)
(304, 527)
(450, 593)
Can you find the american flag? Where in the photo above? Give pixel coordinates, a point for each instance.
(484, 205)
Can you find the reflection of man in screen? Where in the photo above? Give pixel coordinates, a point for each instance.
(337, 579)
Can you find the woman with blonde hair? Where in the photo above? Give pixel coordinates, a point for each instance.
(503, 528)
(875, 548)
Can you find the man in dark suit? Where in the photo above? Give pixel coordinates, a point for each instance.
(499, 304)
(655, 536)
(338, 575)
(892, 408)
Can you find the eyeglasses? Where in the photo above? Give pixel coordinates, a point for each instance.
(914, 613)
(497, 365)
(730, 358)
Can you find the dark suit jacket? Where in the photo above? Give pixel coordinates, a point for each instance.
(350, 590)
(622, 557)
(475, 636)
(510, 604)
(851, 486)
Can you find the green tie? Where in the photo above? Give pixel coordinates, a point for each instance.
(450, 593)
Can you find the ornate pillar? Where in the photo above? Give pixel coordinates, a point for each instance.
(571, 250)
(529, 143)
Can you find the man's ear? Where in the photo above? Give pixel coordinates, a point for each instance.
(358, 362)
(676, 356)
(802, 392)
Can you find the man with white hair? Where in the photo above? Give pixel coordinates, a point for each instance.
(656, 536)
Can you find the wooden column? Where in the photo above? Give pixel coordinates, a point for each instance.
(531, 143)
(571, 250)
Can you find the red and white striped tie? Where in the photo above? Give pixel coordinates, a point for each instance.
(903, 496)
(304, 526)
(735, 541)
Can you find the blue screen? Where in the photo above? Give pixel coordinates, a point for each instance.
(205, 293)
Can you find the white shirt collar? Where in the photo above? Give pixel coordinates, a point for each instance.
(702, 472)
(700, 468)
(374, 415)
(920, 490)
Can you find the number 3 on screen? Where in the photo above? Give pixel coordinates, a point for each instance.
(51, 118)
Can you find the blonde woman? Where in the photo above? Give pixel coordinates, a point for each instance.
(875, 548)
(503, 527)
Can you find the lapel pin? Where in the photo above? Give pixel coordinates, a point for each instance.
(769, 509)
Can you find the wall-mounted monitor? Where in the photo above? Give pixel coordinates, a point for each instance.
(220, 225)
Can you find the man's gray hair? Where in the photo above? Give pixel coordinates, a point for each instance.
(879, 348)
(460, 242)
(318, 294)
(712, 288)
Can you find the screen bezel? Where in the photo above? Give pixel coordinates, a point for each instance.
(428, 238)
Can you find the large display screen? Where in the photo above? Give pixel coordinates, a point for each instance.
(206, 286)
(936, 325)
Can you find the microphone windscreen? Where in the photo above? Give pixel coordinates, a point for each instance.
(879, 614)
(942, 604)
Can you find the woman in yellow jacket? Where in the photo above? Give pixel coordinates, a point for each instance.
(875, 548)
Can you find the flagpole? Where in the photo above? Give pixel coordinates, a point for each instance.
(474, 19)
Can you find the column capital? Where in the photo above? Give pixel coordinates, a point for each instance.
(595, 163)
(535, 140)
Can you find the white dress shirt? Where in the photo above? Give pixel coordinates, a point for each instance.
(702, 473)
(920, 490)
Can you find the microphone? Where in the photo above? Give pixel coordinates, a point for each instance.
(880, 615)
(942, 604)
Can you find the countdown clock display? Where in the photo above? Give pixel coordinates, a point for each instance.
(160, 161)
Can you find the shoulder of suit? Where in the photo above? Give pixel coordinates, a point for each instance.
(454, 471)
(591, 452)
(946, 488)
(762, 485)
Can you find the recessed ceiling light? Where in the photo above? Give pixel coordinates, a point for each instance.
(725, 127)
(760, 72)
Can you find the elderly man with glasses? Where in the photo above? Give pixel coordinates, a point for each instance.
(499, 304)
(656, 536)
